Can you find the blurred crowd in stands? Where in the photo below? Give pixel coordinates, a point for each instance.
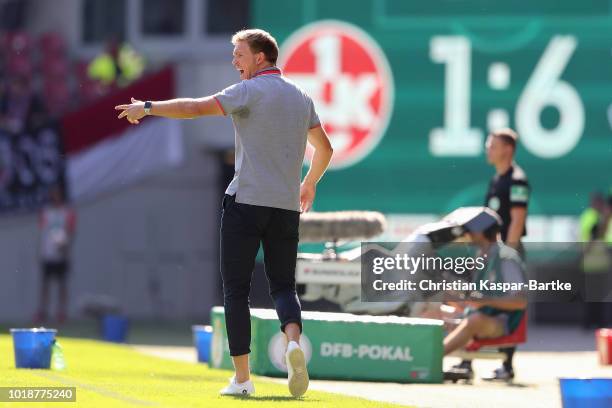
(39, 79)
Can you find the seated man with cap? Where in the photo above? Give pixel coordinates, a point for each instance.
(496, 313)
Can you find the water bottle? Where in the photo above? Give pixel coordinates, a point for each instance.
(57, 357)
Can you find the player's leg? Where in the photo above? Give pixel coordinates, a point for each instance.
(475, 325)
(280, 253)
(239, 246)
(280, 242)
(506, 371)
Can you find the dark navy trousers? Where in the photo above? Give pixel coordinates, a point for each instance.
(243, 228)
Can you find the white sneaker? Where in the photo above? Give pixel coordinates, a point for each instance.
(234, 388)
(296, 366)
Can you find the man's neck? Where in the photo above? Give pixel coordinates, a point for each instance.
(264, 66)
(502, 168)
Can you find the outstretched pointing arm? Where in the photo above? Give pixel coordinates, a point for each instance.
(181, 108)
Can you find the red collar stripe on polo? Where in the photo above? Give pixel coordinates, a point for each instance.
(269, 71)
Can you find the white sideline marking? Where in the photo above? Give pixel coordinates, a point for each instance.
(99, 390)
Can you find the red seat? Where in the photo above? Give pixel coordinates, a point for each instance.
(57, 97)
(80, 70)
(89, 90)
(20, 65)
(16, 43)
(55, 67)
(52, 44)
(518, 336)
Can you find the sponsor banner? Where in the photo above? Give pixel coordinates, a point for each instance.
(219, 352)
(30, 163)
(342, 346)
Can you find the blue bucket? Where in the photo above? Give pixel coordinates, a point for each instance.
(115, 328)
(202, 336)
(586, 392)
(33, 347)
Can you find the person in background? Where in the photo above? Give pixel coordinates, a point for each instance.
(497, 314)
(508, 195)
(57, 224)
(117, 66)
(20, 108)
(509, 189)
(592, 218)
(597, 259)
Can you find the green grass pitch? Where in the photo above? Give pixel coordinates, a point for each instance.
(109, 375)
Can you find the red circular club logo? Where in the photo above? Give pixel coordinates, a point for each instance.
(348, 77)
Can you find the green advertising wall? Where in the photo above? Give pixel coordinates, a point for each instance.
(341, 346)
(545, 65)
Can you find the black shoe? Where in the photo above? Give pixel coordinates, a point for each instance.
(500, 374)
(465, 366)
(461, 371)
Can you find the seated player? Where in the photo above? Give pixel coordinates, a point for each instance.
(498, 313)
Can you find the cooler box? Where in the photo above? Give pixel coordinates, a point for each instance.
(604, 345)
(342, 346)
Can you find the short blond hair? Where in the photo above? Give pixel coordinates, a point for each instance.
(508, 135)
(259, 41)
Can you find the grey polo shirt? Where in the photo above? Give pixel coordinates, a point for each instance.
(271, 117)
